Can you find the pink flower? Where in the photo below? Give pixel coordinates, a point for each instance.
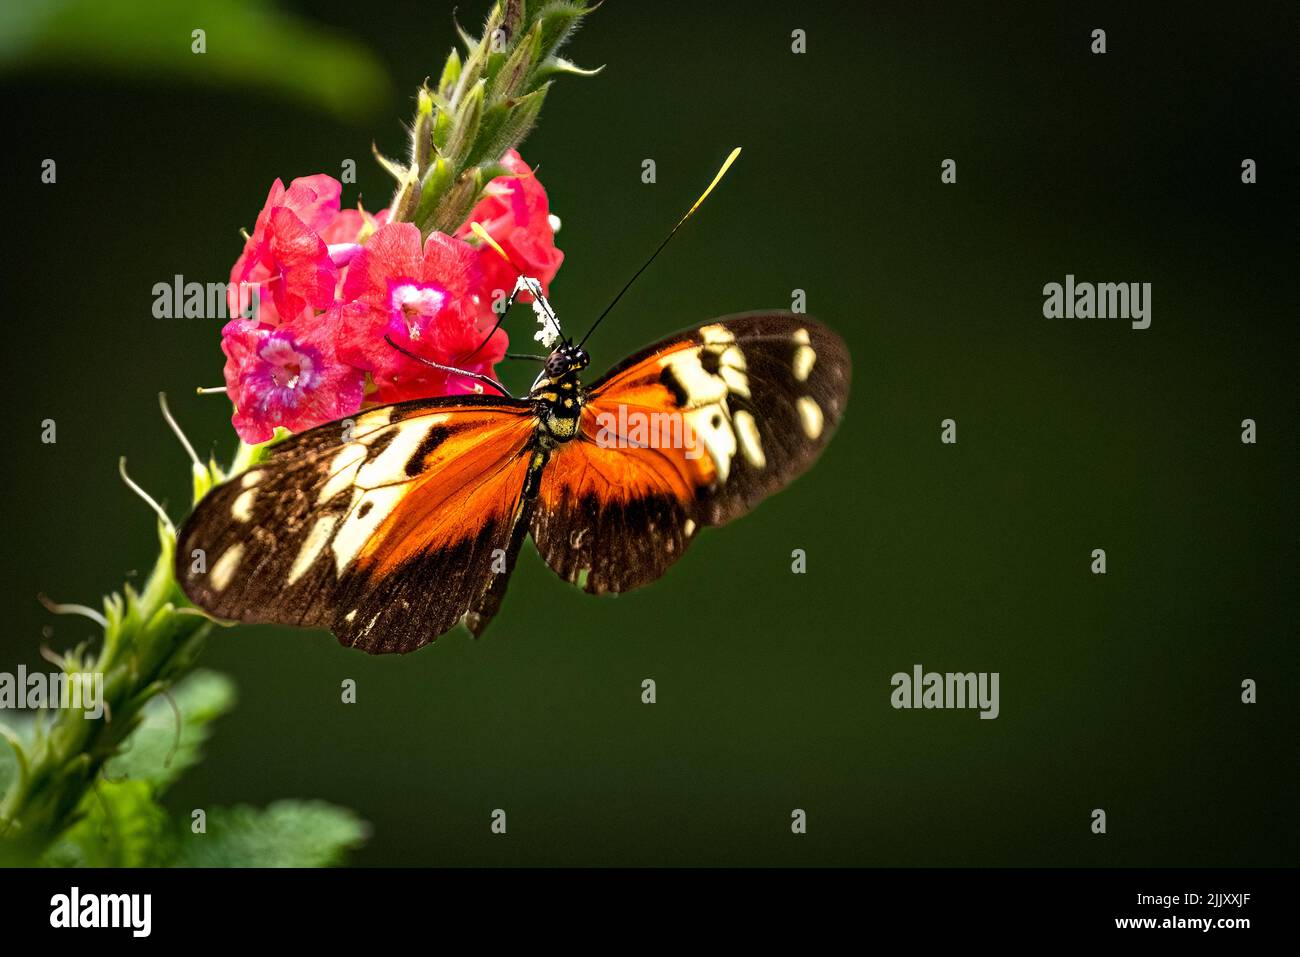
(346, 225)
(426, 300)
(287, 376)
(516, 213)
(285, 258)
(335, 285)
(342, 234)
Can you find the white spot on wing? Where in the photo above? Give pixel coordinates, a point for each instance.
(810, 416)
(357, 529)
(737, 381)
(390, 464)
(312, 547)
(242, 509)
(716, 334)
(804, 356)
(719, 440)
(700, 387)
(342, 471)
(249, 479)
(224, 568)
(751, 446)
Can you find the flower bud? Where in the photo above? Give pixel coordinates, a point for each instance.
(512, 19)
(450, 74)
(432, 188)
(407, 199)
(466, 125)
(422, 132)
(505, 125)
(511, 78)
(457, 202)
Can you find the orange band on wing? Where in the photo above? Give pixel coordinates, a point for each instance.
(472, 478)
(603, 463)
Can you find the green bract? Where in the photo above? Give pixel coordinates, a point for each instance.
(484, 105)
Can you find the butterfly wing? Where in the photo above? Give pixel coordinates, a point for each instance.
(386, 534)
(745, 404)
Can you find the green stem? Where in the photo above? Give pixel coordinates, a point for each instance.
(150, 642)
(152, 639)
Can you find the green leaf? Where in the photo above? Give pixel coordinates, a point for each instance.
(248, 43)
(285, 834)
(122, 826)
(558, 20)
(557, 66)
(16, 730)
(154, 752)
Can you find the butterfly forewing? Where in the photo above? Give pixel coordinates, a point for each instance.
(745, 404)
(386, 529)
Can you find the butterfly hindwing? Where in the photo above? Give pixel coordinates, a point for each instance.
(761, 395)
(612, 519)
(387, 529)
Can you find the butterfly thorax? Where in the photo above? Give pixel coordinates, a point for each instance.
(557, 393)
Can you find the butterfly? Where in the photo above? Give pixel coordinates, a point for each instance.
(391, 528)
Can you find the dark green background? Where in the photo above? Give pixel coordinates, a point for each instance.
(1119, 692)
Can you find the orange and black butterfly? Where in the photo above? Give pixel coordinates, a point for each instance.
(393, 531)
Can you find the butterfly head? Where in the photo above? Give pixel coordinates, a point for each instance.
(566, 359)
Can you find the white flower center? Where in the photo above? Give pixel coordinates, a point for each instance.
(417, 302)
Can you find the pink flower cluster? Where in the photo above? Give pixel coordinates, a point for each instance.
(332, 283)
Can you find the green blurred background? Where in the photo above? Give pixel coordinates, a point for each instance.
(1118, 692)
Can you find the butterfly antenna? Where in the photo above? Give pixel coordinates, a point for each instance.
(673, 232)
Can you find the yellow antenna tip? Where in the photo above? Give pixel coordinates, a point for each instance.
(726, 165)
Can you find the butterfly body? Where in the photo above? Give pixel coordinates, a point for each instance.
(391, 528)
(559, 396)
